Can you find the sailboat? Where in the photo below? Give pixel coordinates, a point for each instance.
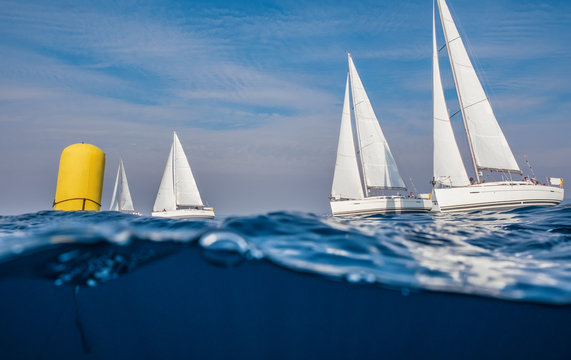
(121, 199)
(379, 171)
(489, 149)
(178, 195)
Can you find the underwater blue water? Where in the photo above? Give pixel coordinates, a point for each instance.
(521, 255)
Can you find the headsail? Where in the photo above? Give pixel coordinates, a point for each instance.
(448, 168)
(121, 199)
(165, 200)
(185, 186)
(379, 168)
(346, 179)
(488, 145)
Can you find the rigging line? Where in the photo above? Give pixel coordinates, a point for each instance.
(79, 323)
(413, 186)
(456, 38)
(443, 46)
(476, 103)
(84, 199)
(456, 113)
(476, 65)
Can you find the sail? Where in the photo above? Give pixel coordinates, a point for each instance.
(489, 147)
(346, 179)
(125, 201)
(115, 199)
(165, 200)
(379, 168)
(184, 184)
(448, 168)
(121, 199)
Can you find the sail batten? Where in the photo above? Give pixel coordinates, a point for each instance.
(488, 146)
(378, 165)
(346, 178)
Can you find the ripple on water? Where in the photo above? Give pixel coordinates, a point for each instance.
(521, 254)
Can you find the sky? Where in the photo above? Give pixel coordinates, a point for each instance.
(254, 90)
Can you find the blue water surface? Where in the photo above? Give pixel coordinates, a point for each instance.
(521, 255)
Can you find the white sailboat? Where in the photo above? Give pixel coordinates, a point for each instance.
(378, 167)
(489, 149)
(178, 195)
(121, 199)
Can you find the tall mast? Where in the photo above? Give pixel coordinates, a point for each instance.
(448, 41)
(174, 137)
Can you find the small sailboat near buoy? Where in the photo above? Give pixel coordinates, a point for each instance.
(378, 167)
(178, 195)
(121, 199)
(489, 149)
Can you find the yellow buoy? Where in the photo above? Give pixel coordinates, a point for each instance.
(80, 178)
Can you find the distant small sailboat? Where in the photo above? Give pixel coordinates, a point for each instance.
(178, 195)
(489, 149)
(379, 169)
(121, 199)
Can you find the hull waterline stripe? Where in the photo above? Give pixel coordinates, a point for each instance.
(502, 204)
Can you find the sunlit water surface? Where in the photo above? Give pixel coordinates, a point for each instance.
(522, 255)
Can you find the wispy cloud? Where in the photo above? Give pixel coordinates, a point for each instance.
(254, 89)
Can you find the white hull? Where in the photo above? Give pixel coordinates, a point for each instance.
(185, 213)
(379, 205)
(497, 196)
(131, 212)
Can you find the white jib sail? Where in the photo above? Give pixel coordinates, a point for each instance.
(114, 199)
(125, 201)
(185, 186)
(346, 179)
(165, 200)
(448, 168)
(488, 143)
(121, 199)
(379, 168)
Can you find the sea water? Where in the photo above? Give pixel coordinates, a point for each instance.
(229, 276)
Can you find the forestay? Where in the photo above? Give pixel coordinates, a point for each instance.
(346, 179)
(488, 144)
(448, 168)
(379, 168)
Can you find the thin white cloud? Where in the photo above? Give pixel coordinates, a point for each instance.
(255, 97)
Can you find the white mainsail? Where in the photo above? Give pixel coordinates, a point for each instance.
(121, 199)
(489, 147)
(346, 179)
(379, 168)
(178, 187)
(448, 168)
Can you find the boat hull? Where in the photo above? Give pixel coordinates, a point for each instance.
(497, 196)
(379, 205)
(185, 214)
